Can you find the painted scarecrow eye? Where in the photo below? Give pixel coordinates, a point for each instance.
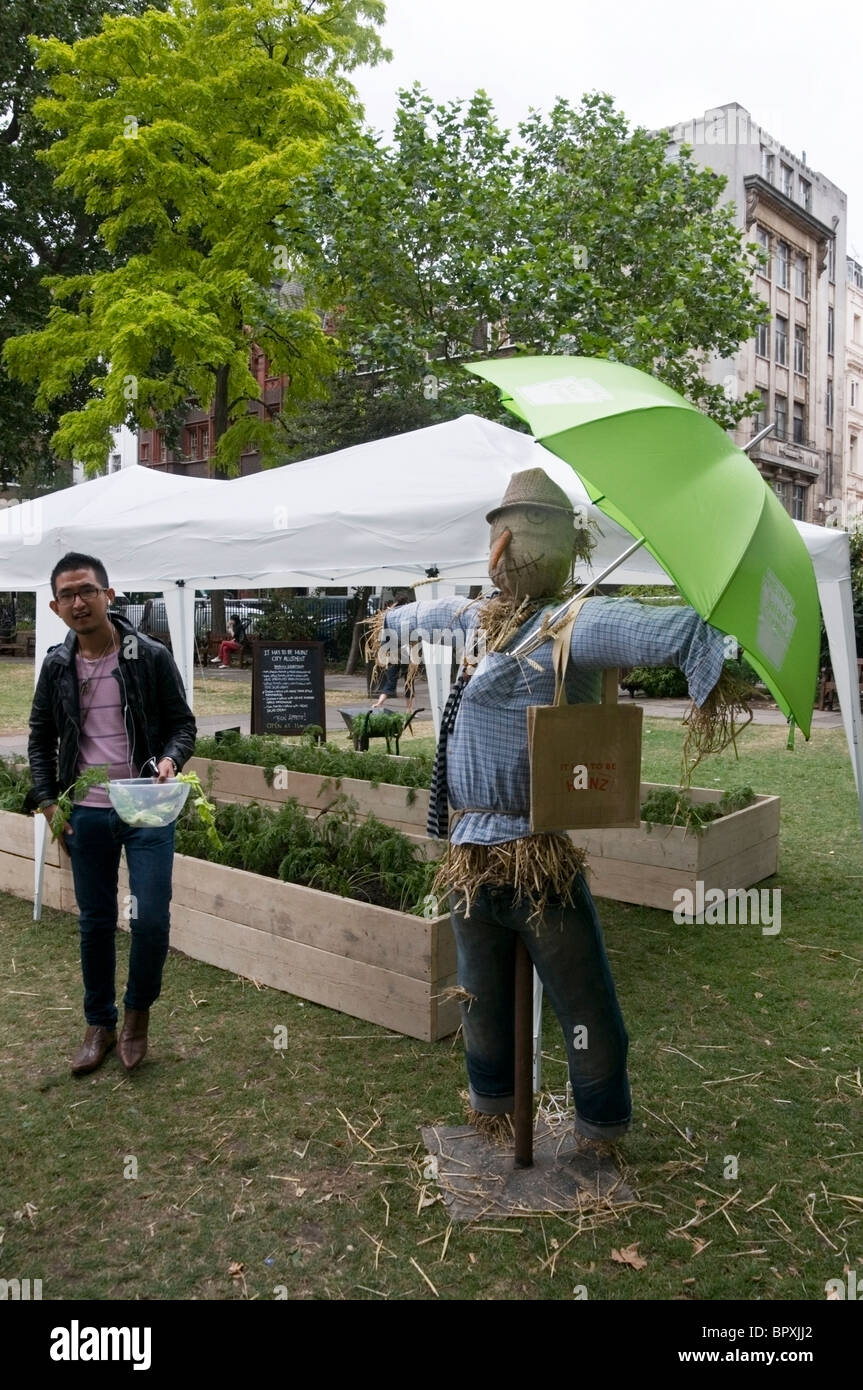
(536, 516)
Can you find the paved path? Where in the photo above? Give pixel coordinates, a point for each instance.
(353, 689)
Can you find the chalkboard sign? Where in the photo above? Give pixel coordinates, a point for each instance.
(287, 687)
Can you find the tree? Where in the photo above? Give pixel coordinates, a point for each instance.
(456, 242)
(43, 230)
(185, 132)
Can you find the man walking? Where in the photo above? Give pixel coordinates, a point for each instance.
(111, 696)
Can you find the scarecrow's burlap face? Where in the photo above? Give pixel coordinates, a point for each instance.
(531, 551)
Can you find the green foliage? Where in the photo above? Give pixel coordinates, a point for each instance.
(44, 230)
(334, 853)
(186, 132)
(206, 809)
(657, 682)
(284, 620)
(271, 753)
(15, 783)
(93, 777)
(668, 806)
(577, 236)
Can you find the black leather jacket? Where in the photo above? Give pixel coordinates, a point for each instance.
(159, 722)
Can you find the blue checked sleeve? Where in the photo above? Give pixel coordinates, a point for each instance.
(625, 632)
(437, 620)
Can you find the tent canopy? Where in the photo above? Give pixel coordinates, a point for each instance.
(382, 513)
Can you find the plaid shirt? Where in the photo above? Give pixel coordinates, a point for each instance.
(488, 766)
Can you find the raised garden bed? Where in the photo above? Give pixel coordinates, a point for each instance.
(647, 865)
(642, 866)
(371, 962)
(405, 808)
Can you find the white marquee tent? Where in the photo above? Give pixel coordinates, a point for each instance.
(382, 513)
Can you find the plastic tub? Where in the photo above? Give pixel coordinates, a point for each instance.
(142, 801)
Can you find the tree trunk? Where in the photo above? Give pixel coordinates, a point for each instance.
(359, 606)
(218, 621)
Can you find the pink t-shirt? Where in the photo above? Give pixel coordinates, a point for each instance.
(103, 736)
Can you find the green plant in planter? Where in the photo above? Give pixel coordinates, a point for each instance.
(333, 852)
(270, 753)
(206, 809)
(15, 784)
(671, 806)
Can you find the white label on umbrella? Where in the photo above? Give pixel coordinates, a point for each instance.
(565, 390)
(776, 619)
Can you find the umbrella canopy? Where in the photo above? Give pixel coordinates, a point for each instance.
(660, 468)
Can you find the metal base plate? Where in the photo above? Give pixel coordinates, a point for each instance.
(477, 1177)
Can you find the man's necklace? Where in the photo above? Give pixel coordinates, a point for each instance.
(95, 662)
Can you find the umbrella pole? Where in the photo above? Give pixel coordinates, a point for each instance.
(529, 644)
(523, 1118)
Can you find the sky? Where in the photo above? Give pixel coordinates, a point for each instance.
(796, 66)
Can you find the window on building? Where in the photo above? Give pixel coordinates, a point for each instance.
(805, 190)
(114, 464)
(828, 400)
(787, 180)
(762, 340)
(204, 438)
(144, 452)
(798, 425)
(762, 237)
(800, 349)
(852, 452)
(159, 447)
(782, 489)
(761, 412)
(858, 274)
(780, 410)
(831, 260)
(768, 164)
(801, 275)
(782, 253)
(798, 502)
(856, 333)
(831, 329)
(192, 442)
(781, 353)
(853, 395)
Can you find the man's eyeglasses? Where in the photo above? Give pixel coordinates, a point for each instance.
(87, 593)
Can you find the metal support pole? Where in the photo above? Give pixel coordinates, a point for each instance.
(523, 1119)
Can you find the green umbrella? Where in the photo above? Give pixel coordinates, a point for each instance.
(670, 475)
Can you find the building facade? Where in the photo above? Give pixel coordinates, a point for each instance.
(796, 361)
(195, 455)
(853, 497)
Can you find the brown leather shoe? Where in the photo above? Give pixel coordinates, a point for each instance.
(97, 1043)
(132, 1046)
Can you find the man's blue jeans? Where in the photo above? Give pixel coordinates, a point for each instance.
(567, 949)
(95, 847)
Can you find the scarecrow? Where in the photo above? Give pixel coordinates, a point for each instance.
(502, 880)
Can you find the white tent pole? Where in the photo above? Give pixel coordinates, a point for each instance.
(838, 611)
(180, 608)
(49, 630)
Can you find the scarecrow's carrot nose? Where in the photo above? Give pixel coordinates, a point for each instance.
(498, 548)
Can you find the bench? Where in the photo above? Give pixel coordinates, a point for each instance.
(18, 644)
(214, 641)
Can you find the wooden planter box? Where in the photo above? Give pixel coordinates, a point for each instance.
(647, 865)
(386, 967)
(642, 866)
(246, 782)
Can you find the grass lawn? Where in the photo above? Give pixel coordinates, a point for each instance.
(259, 1169)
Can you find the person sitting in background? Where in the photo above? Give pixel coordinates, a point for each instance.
(230, 644)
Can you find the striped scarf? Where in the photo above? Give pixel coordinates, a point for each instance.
(437, 824)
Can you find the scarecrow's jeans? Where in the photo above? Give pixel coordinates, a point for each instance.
(99, 836)
(567, 949)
